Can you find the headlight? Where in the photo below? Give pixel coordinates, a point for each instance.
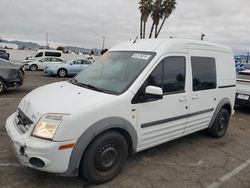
(47, 125)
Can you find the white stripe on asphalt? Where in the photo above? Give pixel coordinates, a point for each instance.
(227, 176)
(9, 164)
(4, 98)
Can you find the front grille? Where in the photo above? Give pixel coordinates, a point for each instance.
(23, 123)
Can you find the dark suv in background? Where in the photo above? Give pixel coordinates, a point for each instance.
(4, 55)
(11, 75)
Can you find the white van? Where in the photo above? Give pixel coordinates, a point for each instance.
(136, 96)
(43, 53)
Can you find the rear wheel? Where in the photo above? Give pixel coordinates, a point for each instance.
(33, 67)
(104, 157)
(220, 125)
(62, 72)
(2, 87)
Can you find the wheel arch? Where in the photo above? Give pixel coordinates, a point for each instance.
(113, 123)
(224, 103)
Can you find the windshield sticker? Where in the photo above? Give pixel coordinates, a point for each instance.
(141, 56)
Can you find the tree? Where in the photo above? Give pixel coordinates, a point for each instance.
(168, 7)
(156, 15)
(103, 51)
(145, 7)
(60, 48)
(158, 9)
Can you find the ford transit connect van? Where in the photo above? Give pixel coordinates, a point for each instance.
(43, 53)
(136, 96)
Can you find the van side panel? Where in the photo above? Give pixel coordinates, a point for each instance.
(202, 101)
(212, 100)
(226, 77)
(225, 69)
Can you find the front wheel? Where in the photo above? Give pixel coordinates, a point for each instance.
(220, 125)
(62, 73)
(104, 157)
(33, 67)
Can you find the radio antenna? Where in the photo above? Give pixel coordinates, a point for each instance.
(135, 39)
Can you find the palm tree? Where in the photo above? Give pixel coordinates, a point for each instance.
(168, 8)
(146, 9)
(141, 8)
(157, 14)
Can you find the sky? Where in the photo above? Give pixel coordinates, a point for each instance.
(84, 23)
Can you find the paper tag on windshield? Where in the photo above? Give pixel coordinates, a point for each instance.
(141, 56)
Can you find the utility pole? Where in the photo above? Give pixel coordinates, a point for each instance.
(103, 42)
(202, 36)
(47, 41)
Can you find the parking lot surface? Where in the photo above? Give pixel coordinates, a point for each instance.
(192, 161)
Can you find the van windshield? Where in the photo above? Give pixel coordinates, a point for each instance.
(113, 72)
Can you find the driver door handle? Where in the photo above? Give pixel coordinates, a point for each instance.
(183, 99)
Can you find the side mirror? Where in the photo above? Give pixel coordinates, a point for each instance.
(71, 63)
(154, 93)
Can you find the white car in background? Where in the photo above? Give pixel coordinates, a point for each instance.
(41, 63)
(242, 97)
(43, 53)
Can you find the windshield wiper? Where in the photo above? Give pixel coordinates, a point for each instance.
(91, 87)
(76, 82)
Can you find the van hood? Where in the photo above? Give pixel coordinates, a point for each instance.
(60, 97)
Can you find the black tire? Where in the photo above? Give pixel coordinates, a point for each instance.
(2, 87)
(220, 125)
(104, 157)
(33, 67)
(62, 73)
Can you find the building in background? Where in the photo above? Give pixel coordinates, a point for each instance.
(8, 46)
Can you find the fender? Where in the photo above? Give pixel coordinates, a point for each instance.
(224, 101)
(91, 133)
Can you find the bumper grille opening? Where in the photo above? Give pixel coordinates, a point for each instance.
(23, 123)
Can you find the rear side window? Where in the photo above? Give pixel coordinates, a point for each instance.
(54, 54)
(57, 59)
(86, 62)
(204, 73)
(45, 59)
(77, 62)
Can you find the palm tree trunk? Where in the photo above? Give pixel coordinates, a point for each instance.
(144, 30)
(151, 31)
(161, 26)
(156, 28)
(141, 28)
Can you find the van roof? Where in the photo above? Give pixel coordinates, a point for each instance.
(45, 50)
(158, 45)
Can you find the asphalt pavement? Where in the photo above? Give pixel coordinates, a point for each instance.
(192, 161)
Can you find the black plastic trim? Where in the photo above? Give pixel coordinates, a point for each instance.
(221, 87)
(149, 124)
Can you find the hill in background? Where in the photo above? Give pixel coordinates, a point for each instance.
(35, 46)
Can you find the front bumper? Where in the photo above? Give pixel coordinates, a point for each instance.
(241, 101)
(15, 79)
(28, 148)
